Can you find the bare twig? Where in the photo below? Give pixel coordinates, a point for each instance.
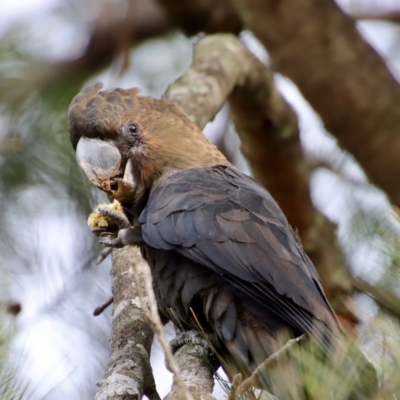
(387, 300)
(104, 253)
(239, 387)
(159, 331)
(98, 310)
(149, 304)
(236, 381)
(389, 16)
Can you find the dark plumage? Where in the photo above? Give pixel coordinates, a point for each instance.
(217, 243)
(225, 249)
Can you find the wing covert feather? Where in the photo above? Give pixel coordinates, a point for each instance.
(227, 222)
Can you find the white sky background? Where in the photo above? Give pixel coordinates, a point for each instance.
(57, 354)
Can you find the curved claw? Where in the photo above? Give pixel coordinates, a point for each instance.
(106, 234)
(98, 231)
(114, 243)
(117, 216)
(131, 236)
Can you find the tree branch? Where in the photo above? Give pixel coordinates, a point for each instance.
(113, 33)
(239, 388)
(128, 375)
(195, 372)
(317, 46)
(102, 307)
(209, 16)
(389, 16)
(192, 379)
(386, 299)
(223, 68)
(158, 329)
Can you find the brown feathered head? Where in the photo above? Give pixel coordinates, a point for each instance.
(125, 141)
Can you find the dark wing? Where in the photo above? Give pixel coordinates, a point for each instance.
(226, 221)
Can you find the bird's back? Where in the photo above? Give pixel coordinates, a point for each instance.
(219, 247)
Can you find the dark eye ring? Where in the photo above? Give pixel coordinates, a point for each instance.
(132, 128)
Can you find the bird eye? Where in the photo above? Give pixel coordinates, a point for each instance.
(132, 128)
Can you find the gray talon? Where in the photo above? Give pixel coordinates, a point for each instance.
(98, 231)
(119, 217)
(106, 234)
(114, 243)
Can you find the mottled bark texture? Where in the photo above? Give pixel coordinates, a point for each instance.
(128, 375)
(193, 377)
(223, 68)
(349, 85)
(195, 373)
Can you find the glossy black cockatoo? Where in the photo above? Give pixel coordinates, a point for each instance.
(217, 243)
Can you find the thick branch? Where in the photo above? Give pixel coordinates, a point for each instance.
(210, 16)
(384, 297)
(196, 373)
(194, 370)
(128, 375)
(193, 380)
(222, 67)
(317, 46)
(113, 33)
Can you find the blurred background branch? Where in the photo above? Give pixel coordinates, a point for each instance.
(316, 55)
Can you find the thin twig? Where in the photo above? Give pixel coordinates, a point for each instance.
(151, 309)
(159, 331)
(384, 297)
(98, 310)
(104, 253)
(236, 381)
(262, 369)
(389, 16)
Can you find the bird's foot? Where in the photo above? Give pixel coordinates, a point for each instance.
(124, 235)
(117, 217)
(199, 347)
(193, 338)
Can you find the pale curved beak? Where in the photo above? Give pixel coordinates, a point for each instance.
(101, 163)
(99, 160)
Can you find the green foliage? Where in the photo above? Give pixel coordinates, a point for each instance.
(302, 372)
